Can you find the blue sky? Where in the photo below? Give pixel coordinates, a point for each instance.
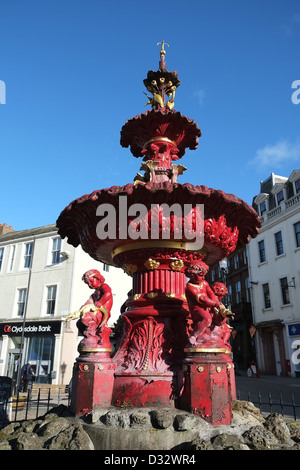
(73, 72)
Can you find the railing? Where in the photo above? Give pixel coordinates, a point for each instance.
(271, 404)
(26, 407)
(32, 405)
(293, 200)
(278, 209)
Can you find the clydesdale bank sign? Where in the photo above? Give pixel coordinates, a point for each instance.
(30, 328)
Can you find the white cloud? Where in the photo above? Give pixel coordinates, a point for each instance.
(296, 18)
(276, 155)
(200, 96)
(289, 26)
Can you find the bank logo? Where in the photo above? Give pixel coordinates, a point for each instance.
(2, 92)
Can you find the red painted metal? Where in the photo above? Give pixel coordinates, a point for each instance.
(92, 384)
(209, 386)
(168, 327)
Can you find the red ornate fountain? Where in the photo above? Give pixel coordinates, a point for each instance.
(172, 336)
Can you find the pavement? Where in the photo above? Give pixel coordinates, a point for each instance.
(274, 393)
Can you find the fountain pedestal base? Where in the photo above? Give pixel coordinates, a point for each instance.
(92, 383)
(209, 385)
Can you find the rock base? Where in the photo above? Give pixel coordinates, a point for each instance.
(151, 429)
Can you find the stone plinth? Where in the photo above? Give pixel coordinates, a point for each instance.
(92, 384)
(209, 385)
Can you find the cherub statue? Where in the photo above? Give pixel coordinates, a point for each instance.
(220, 315)
(201, 300)
(94, 314)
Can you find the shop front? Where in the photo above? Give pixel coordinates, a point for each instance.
(39, 341)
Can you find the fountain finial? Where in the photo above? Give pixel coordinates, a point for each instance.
(162, 63)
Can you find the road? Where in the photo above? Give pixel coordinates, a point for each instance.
(271, 389)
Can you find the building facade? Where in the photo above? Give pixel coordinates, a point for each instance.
(233, 271)
(274, 268)
(40, 283)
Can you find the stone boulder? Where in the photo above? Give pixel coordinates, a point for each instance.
(51, 432)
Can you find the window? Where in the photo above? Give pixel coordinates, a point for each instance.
(228, 265)
(245, 257)
(285, 290)
(297, 186)
(236, 261)
(22, 293)
(227, 299)
(28, 255)
(279, 244)
(213, 275)
(11, 257)
(266, 292)
(262, 251)
(280, 197)
(41, 353)
(1, 257)
(263, 208)
(238, 292)
(297, 233)
(51, 299)
(55, 253)
(247, 289)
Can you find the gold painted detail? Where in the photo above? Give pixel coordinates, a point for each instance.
(218, 369)
(156, 244)
(136, 296)
(85, 367)
(100, 367)
(130, 269)
(88, 308)
(159, 139)
(152, 295)
(151, 264)
(208, 350)
(170, 295)
(162, 44)
(200, 368)
(94, 350)
(177, 265)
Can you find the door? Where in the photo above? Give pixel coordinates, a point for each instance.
(12, 365)
(269, 353)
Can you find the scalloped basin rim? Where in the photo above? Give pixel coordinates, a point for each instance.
(78, 220)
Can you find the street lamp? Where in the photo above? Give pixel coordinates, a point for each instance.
(24, 322)
(223, 269)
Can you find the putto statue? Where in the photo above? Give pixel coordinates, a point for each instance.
(208, 314)
(94, 314)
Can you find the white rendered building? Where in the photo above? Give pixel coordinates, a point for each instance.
(274, 270)
(40, 283)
